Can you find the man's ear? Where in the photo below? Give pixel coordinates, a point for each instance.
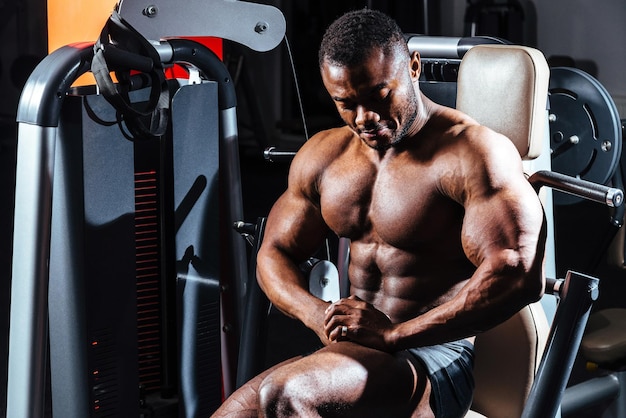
(415, 65)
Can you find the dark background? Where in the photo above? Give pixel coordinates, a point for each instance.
(269, 114)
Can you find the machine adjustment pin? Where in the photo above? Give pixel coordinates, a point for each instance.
(150, 11)
(552, 117)
(606, 146)
(261, 27)
(574, 139)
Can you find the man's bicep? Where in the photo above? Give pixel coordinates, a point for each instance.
(502, 210)
(507, 220)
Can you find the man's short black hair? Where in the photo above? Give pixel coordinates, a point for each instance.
(350, 38)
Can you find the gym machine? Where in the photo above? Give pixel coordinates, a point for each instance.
(586, 136)
(116, 265)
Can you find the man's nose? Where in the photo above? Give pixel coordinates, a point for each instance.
(365, 116)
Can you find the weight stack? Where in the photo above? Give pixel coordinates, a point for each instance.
(134, 264)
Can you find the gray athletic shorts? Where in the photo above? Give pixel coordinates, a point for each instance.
(450, 370)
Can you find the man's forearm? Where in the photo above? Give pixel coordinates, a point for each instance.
(287, 288)
(481, 304)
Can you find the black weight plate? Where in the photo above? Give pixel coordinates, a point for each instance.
(585, 133)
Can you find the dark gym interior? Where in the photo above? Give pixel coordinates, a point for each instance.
(272, 104)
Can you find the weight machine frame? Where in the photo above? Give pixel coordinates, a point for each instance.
(38, 118)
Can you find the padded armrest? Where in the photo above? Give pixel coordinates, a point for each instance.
(509, 95)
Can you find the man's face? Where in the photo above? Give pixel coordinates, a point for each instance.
(376, 98)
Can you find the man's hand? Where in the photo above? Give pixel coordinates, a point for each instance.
(352, 319)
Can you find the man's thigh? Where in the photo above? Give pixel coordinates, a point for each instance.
(352, 379)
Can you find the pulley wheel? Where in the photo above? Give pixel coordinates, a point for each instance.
(585, 129)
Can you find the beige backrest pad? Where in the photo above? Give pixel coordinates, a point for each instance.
(509, 95)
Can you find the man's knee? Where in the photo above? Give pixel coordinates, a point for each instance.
(271, 394)
(284, 394)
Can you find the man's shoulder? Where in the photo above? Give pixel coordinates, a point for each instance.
(325, 146)
(333, 136)
(318, 153)
(482, 149)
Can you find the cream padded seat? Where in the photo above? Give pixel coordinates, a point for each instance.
(505, 87)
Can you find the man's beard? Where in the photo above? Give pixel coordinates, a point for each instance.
(398, 136)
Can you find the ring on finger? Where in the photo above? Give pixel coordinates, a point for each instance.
(344, 330)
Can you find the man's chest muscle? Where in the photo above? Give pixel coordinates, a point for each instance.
(402, 206)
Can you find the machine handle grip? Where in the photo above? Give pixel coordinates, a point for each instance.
(600, 193)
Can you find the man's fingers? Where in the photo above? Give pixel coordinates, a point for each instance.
(334, 309)
(339, 333)
(334, 323)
